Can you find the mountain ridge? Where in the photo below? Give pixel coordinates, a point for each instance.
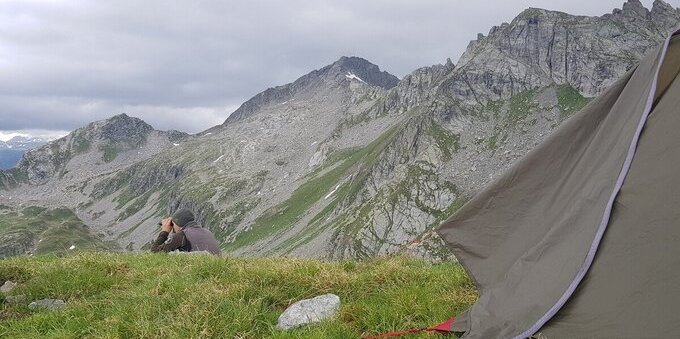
(344, 165)
(352, 68)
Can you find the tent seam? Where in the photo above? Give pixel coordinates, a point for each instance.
(607, 213)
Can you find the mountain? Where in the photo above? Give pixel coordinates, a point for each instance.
(12, 150)
(348, 160)
(345, 70)
(25, 143)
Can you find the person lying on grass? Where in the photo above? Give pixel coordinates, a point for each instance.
(188, 235)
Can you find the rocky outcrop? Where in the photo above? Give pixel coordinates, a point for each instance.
(540, 47)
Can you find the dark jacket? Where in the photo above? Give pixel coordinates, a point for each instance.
(192, 238)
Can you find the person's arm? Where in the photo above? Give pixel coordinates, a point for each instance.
(163, 245)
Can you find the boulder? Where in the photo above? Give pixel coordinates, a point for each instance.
(309, 311)
(7, 286)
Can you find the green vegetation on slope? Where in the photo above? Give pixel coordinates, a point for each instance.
(315, 189)
(569, 100)
(448, 142)
(156, 295)
(110, 152)
(49, 231)
(520, 106)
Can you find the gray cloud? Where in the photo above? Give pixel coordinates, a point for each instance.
(181, 65)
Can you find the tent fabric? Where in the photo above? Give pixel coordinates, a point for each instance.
(529, 237)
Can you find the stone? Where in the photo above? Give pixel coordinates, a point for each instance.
(190, 253)
(13, 299)
(7, 286)
(309, 311)
(49, 304)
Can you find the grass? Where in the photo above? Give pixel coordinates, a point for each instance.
(520, 106)
(569, 100)
(447, 142)
(157, 295)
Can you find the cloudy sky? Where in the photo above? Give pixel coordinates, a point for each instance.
(186, 66)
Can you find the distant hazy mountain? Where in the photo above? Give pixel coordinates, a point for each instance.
(348, 160)
(12, 150)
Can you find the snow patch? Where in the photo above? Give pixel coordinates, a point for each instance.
(73, 247)
(176, 144)
(351, 75)
(218, 159)
(332, 192)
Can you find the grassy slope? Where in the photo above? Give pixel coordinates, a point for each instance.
(156, 295)
(55, 229)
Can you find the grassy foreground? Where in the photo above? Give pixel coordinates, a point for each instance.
(158, 295)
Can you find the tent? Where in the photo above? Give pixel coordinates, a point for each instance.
(581, 238)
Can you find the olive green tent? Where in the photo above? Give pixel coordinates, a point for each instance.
(581, 238)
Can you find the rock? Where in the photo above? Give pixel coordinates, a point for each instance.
(190, 253)
(13, 299)
(309, 311)
(8, 286)
(49, 304)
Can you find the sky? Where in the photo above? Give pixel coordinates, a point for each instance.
(186, 65)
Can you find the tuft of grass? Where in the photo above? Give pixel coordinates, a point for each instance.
(520, 106)
(156, 295)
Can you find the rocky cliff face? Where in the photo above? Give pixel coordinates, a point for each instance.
(347, 161)
(541, 47)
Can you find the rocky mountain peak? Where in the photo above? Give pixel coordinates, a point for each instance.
(541, 47)
(337, 74)
(661, 6)
(635, 8)
(355, 68)
(664, 14)
(120, 128)
(97, 144)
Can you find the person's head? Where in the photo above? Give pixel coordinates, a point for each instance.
(181, 218)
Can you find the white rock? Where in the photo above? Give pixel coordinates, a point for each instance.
(8, 286)
(309, 311)
(50, 304)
